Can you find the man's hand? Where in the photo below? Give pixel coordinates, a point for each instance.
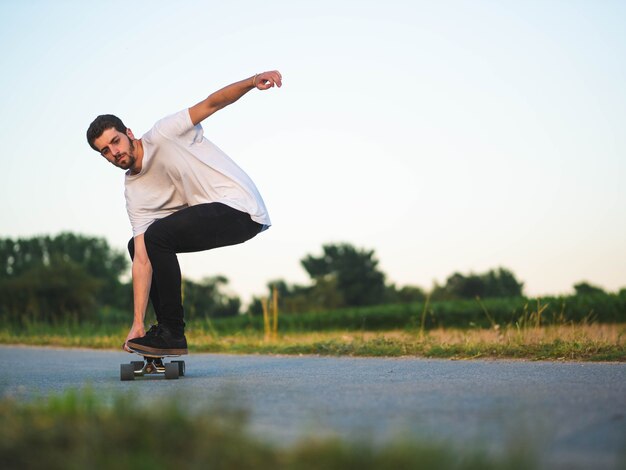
(266, 80)
(136, 331)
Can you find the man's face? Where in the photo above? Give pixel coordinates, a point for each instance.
(117, 148)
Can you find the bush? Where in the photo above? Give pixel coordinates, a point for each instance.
(602, 308)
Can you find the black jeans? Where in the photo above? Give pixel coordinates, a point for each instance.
(195, 228)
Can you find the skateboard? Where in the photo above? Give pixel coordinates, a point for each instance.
(152, 365)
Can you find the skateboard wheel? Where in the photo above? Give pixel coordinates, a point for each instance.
(127, 372)
(137, 365)
(181, 367)
(171, 371)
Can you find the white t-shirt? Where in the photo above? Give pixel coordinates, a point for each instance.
(181, 168)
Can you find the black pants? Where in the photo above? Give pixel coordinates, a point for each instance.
(195, 228)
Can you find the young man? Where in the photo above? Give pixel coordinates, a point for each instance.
(183, 194)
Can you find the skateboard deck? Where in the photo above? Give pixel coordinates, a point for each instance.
(152, 365)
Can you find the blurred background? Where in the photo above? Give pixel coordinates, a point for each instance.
(423, 138)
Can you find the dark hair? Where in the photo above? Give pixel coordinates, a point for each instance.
(101, 124)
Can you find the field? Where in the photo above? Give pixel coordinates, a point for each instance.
(595, 342)
(586, 328)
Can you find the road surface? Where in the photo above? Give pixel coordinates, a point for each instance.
(572, 415)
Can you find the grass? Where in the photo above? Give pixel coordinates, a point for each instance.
(579, 342)
(79, 430)
(565, 342)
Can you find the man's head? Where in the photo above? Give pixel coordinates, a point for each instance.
(108, 136)
(101, 124)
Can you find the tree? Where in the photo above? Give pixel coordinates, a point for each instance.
(59, 291)
(493, 283)
(465, 287)
(584, 288)
(207, 299)
(343, 276)
(352, 272)
(49, 278)
(501, 283)
(405, 295)
(92, 253)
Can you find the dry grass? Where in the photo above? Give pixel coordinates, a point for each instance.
(562, 342)
(580, 342)
(612, 334)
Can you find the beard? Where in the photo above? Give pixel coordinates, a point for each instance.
(126, 160)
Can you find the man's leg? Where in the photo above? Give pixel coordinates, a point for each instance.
(198, 228)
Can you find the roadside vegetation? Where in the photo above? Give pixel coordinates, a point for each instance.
(81, 430)
(73, 291)
(580, 342)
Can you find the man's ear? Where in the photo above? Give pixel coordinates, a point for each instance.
(129, 133)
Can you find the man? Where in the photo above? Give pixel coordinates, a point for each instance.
(183, 194)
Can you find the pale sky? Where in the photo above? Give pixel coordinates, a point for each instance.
(446, 136)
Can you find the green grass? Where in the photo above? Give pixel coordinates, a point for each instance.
(485, 313)
(78, 430)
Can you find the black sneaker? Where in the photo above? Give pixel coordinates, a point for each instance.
(152, 331)
(159, 341)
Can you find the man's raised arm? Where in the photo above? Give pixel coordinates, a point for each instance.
(231, 93)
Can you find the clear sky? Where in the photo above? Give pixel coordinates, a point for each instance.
(447, 136)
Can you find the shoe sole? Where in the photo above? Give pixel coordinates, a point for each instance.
(155, 352)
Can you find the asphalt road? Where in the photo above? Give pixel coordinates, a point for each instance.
(572, 415)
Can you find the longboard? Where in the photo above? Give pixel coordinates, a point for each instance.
(152, 365)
